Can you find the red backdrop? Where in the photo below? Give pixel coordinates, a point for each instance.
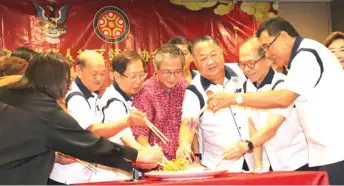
(152, 23)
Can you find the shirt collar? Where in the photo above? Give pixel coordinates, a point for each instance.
(267, 79)
(120, 91)
(294, 50)
(206, 83)
(84, 90)
(193, 73)
(159, 90)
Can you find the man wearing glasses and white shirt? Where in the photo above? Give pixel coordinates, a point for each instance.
(81, 103)
(312, 71)
(287, 150)
(220, 129)
(115, 104)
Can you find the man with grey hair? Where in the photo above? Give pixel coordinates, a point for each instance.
(161, 99)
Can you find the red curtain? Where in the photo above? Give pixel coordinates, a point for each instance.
(151, 23)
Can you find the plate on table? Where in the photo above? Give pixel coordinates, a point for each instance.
(189, 174)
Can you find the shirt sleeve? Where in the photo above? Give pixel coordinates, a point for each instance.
(143, 103)
(191, 105)
(66, 136)
(304, 74)
(282, 111)
(113, 113)
(78, 108)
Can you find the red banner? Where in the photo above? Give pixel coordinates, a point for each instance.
(113, 26)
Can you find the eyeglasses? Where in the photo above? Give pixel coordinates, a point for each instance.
(213, 57)
(168, 73)
(266, 46)
(133, 78)
(250, 65)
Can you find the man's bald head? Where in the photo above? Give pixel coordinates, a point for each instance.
(91, 69)
(250, 48)
(90, 57)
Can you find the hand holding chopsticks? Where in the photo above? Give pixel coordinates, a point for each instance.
(150, 125)
(60, 156)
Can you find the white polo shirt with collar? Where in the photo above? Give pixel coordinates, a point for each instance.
(222, 129)
(114, 105)
(85, 111)
(287, 150)
(317, 76)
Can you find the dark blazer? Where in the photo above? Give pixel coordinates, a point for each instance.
(33, 127)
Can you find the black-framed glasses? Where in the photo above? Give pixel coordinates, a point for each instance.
(268, 45)
(250, 65)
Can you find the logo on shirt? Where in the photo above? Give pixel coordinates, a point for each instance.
(111, 24)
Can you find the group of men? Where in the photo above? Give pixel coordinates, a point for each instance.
(242, 116)
(174, 96)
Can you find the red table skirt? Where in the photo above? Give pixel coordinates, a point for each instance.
(271, 178)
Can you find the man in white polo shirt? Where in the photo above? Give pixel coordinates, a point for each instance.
(286, 149)
(220, 129)
(81, 103)
(313, 70)
(115, 104)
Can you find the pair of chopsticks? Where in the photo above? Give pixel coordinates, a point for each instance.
(202, 110)
(88, 165)
(157, 132)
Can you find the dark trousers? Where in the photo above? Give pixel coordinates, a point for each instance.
(335, 172)
(245, 166)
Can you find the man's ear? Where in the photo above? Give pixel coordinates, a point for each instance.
(78, 70)
(115, 75)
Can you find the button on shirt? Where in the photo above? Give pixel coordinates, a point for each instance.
(85, 111)
(164, 110)
(225, 127)
(287, 150)
(320, 104)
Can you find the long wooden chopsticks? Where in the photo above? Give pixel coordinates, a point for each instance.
(157, 132)
(88, 165)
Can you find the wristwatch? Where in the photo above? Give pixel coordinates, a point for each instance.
(249, 145)
(239, 99)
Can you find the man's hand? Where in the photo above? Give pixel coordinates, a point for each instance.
(64, 159)
(145, 165)
(236, 151)
(136, 118)
(149, 157)
(185, 152)
(221, 100)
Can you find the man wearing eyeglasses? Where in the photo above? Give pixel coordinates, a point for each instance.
(161, 99)
(218, 130)
(313, 69)
(128, 75)
(286, 149)
(82, 105)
